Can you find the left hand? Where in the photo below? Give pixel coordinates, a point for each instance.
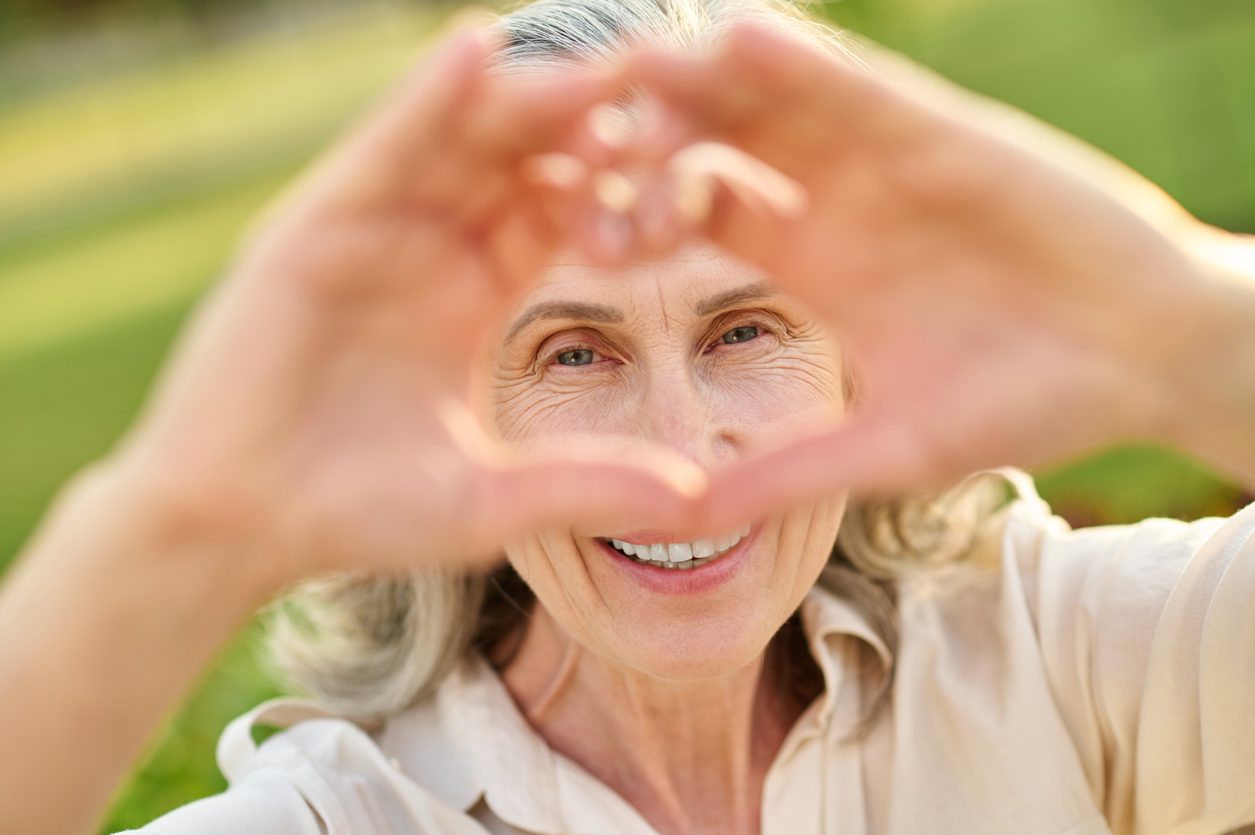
(1007, 294)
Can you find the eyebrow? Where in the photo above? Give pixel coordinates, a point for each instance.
(589, 312)
(565, 310)
(757, 291)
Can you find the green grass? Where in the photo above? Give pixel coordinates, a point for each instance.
(121, 198)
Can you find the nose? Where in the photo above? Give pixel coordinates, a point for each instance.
(680, 413)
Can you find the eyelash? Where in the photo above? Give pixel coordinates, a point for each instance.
(716, 343)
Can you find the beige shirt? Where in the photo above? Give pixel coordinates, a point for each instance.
(1090, 681)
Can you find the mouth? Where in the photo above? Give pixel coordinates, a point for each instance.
(676, 555)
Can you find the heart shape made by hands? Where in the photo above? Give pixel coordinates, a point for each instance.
(991, 282)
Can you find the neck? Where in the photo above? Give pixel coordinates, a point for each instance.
(690, 756)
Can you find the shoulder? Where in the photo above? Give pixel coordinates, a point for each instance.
(267, 803)
(351, 776)
(1116, 571)
(1035, 576)
(1025, 545)
(317, 773)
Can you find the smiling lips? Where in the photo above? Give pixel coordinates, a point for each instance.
(679, 554)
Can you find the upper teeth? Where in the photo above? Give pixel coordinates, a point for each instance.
(681, 554)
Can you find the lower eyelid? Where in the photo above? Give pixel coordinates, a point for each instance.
(599, 359)
(763, 333)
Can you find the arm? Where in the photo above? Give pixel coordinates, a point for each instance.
(316, 416)
(1209, 396)
(108, 619)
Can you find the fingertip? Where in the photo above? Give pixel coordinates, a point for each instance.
(771, 53)
(664, 70)
(452, 62)
(575, 490)
(760, 41)
(687, 478)
(478, 23)
(559, 171)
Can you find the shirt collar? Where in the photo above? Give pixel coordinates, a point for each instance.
(469, 742)
(834, 627)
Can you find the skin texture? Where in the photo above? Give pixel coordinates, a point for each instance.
(985, 272)
(603, 654)
(984, 276)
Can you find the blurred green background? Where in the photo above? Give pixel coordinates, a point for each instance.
(138, 138)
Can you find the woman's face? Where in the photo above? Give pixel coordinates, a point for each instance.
(698, 354)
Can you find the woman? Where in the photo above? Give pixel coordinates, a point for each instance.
(496, 320)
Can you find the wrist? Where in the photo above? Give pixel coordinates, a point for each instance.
(123, 515)
(1205, 386)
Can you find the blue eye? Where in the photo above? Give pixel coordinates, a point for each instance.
(577, 356)
(742, 334)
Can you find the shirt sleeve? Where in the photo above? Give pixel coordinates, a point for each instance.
(265, 803)
(1147, 635)
(319, 775)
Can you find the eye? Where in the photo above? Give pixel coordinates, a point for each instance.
(577, 356)
(744, 333)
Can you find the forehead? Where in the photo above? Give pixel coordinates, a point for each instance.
(681, 282)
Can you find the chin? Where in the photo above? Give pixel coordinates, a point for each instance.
(721, 643)
(680, 611)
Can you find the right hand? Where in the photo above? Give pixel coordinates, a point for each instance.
(1006, 294)
(317, 415)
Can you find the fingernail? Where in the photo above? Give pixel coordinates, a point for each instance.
(554, 169)
(610, 125)
(693, 198)
(615, 191)
(690, 480)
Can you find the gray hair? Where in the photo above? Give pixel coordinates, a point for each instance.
(369, 647)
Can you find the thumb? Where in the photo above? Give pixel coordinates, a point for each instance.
(590, 485)
(869, 453)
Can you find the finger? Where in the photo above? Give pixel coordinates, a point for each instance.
(411, 119)
(869, 454)
(603, 226)
(737, 201)
(504, 121)
(447, 134)
(520, 243)
(561, 184)
(520, 240)
(607, 132)
(656, 217)
(372, 165)
(591, 210)
(537, 112)
(586, 208)
(755, 69)
(593, 489)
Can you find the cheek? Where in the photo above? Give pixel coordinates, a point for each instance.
(594, 402)
(794, 383)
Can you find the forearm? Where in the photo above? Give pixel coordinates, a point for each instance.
(1209, 394)
(105, 623)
